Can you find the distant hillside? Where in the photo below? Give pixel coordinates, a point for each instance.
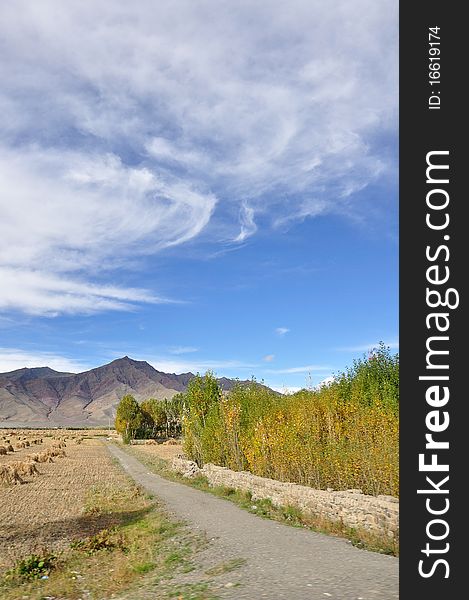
(42, 397)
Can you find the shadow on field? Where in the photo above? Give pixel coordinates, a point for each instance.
(63, 532)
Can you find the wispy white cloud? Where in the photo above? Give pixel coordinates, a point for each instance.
(165, 150)
(12, 359)
(43, 293)
(281, 331)
(75, 209)
(183, 350)
(248, 225)
(126, 130)
(67, 213)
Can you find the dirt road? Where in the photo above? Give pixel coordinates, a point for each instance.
(281, 562)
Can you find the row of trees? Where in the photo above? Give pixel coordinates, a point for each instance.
(150, 419)
(344, 435)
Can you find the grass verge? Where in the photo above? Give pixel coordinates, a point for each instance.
(264, 508)
(140, 544)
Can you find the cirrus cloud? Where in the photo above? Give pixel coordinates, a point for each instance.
(127, 130)
(46, 294)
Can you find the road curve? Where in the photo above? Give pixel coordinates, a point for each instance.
(282, 562)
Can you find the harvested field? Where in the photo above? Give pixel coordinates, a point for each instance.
(49, 509)
(164, 451)
(22, 453)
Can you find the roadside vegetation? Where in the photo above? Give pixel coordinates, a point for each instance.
(341, 436)
(112, 560)
(152, 457)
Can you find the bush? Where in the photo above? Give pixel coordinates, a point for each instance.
(33, 567)
(107, 539)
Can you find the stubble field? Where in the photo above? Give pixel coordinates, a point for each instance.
(51, 509)
(165, 451)
(73, 525)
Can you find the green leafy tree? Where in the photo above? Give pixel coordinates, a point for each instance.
(373, 379)
(129, 418)
(202, 394)
(154, 417)
(174, 409)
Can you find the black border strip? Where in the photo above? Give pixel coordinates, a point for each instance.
(427, 126)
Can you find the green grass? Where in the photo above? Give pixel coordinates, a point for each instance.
(144, 567)
(264, 508)
(191, 591)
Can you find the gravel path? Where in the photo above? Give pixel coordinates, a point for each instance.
(281, 561)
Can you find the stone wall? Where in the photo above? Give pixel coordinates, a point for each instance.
(379, 514)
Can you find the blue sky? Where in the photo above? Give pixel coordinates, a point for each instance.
(205, 185)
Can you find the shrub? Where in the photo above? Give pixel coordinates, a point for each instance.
(33, 567)
(106, 539)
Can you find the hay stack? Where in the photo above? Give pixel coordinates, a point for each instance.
(44, 457)
(33, 457)
(59, 452)
(9, 475)
(24, 467)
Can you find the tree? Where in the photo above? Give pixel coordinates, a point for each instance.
(154, 416)
(174, 409)
(129, 418)
(202, 394)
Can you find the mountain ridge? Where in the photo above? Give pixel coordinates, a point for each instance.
(43, 397)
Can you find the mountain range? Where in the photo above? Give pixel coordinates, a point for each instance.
(42, 397)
